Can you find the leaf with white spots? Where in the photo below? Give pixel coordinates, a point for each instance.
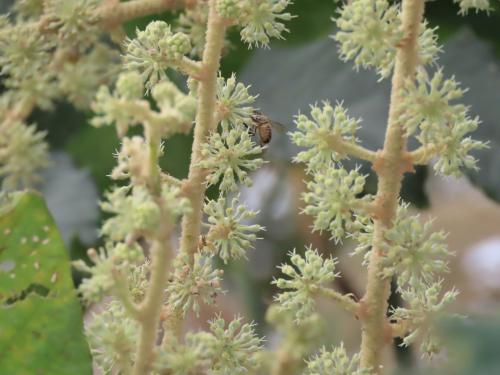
(40, 315)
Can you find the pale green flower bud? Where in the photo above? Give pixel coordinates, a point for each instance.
(113, 337)
(193, 22)
(310, 274)
(477, 5)
(79, 81)
(234, 103)
(114, 257)
(332, 199)
(75, 20)
(370, 31)
(411, 251)
(134, 214)
(335, 362)
(427, 110)
(234, 349)
(424, 306)
(326, 128)
(130, 86)
(191, 284)
(262, 20)
(228, 8)
(23, 152)
(231, 158)
(229, 234)
(154, 50)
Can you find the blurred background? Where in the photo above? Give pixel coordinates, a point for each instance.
(294, 73)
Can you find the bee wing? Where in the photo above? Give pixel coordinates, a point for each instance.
(278, 126)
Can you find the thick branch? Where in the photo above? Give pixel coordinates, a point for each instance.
(113, 13)
(205, 122)
(390, 173)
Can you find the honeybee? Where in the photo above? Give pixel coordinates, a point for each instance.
(262, 127)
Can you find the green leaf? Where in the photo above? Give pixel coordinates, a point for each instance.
(40, 315)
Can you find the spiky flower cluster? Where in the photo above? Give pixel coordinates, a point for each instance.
(17, 166)
(107, 262)
(229, 233)
(323, 135)
(262, 20)
(234, 348)
(230, 158)
(425, 304)
(335, 362)
(370, 31)
(234, 103)
(75, 20)
(192, 284)
(441, 125)
(112, 337)
(411, 250)
(332, 199)
(310, 275)
(154, 50)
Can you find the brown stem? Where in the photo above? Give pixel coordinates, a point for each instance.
(389, 168)
(205, 122)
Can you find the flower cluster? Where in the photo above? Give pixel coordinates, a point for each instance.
(79, 81)
(466, 5)
(192, 357)
(112, 337)
(192, 284)
(234, 103)
(310, 274)
(441, 125)
(299, 340)
(154, 50)
(114, 257)
(17, 166)
(234, 348)
(133, 213)
(192, 22)
(75, 20)
(230, 157)
(370, 31)
(126, 107)
(332, 198)
(323, 135)
(229, 234)
(262, 20)
(411, 250)
(335, 362)
(425, 305)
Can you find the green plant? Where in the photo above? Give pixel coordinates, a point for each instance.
(55, 49)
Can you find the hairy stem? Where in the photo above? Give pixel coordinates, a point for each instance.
(161, 254)
(390, 168)
(114, 12)
(205, 122)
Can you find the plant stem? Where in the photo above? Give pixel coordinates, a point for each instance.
(161, 254)
(153, 302)
(205, 122)
(390, 168)
(114, 12)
